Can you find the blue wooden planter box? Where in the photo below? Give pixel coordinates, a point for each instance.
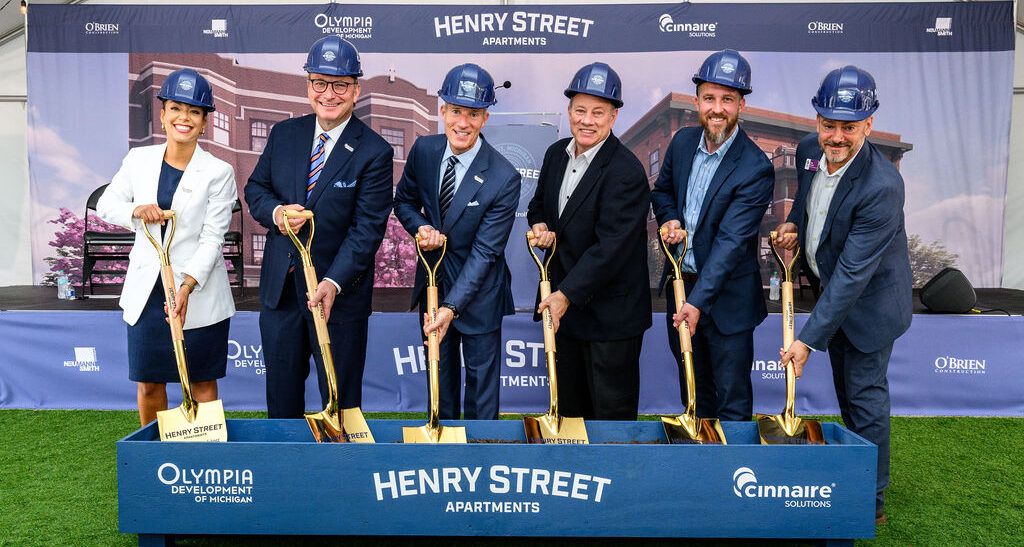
(271, 478)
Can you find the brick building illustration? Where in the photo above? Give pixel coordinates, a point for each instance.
(776, 133)
(250, 101)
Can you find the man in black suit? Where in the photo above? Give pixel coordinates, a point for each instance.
(593, 193)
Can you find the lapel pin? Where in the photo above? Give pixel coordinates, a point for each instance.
(478, 179)
(349, 148)
(811, 165)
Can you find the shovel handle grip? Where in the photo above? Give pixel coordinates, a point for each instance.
(291, 213)
(788, 316)
(549, 326)
(433, 346)
(679, 290)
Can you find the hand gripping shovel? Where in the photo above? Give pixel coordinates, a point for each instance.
(551, 428)
(687, 428)
(433, 431)
(786, 428)
(192, 421)
(329, 425)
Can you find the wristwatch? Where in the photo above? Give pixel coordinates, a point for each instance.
(450, 306)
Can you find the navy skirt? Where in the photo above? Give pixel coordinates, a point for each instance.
(151, 353)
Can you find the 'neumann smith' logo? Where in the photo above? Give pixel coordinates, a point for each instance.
(218, 28)
(943, 26)
(85, 360)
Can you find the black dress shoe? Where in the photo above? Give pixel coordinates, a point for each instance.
(879, 517)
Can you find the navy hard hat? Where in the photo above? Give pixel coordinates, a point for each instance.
(189, 87)
(333, 56)
(599, 80)
(846, 94)
(468, 85)
(726, 67)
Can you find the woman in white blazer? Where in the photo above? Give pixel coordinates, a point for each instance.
(200, 189)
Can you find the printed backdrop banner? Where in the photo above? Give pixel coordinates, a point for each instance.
(944, 72)
(939, 367)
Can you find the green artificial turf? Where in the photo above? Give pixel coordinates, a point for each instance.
(955, 481)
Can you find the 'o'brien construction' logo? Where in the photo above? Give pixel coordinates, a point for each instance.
(102, 28)
(948, 364)
(208, 485)
(693, 29)
(824, 27)
(349, 27)
(745, 485)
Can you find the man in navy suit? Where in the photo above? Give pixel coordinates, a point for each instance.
(592, 196)
(331, 163)
(848, 219)
(716, 184)
(457, 186)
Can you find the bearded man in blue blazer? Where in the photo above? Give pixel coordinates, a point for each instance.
(716, 184)
(848, 219)
(333, 164)
(457, 187)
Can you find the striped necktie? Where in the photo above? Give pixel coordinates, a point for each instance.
(316, 163)
(447, 192)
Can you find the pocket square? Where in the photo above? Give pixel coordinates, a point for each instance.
(473, 204)
(343, 184)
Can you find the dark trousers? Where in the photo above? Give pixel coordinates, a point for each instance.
(863, 392)
(721, 367)
(598, 380)
(482, 354)
(289, 339)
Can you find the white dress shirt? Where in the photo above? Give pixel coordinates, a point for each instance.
(575, 170)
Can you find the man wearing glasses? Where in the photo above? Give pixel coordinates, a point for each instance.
(334, 165)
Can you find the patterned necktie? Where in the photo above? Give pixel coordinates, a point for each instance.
(316, 163)
(444, 199)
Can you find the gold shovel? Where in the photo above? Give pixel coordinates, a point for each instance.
(786, 428)
(329, 425)
(433, 431)
(192, 421)
(551, 428)
(687, 428)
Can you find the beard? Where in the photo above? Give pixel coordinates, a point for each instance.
(717, 138)
(839, 156)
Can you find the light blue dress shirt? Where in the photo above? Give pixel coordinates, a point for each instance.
(705, 165)
(465, 160)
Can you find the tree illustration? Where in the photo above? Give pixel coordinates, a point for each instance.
(67, 242)
(928, 260)
(396, 258)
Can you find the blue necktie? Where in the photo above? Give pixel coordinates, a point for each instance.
(316, 163)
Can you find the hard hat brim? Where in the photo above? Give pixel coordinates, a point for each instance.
(617, 103)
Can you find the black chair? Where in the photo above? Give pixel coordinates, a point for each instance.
(233, 252)
(102, 246)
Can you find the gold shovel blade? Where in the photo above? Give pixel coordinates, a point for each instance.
(326, 427)
(354, 425)
(684, 429)
(548, 429)
(442, 434)
(776, 429)
(207, 426)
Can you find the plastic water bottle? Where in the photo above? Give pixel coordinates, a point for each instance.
(62, 285)
(773, 286)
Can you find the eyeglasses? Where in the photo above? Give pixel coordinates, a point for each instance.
(340, 87)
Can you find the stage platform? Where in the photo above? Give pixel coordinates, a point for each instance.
(34, 297)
